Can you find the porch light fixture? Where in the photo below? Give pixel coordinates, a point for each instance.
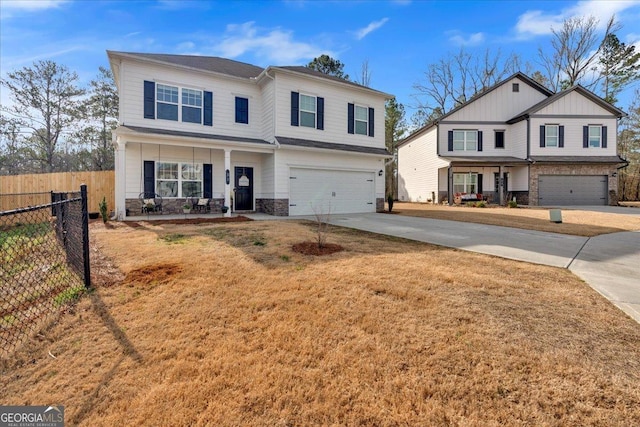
(380, 172)
(614, 174)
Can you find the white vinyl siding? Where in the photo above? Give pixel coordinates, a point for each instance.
(573, 138)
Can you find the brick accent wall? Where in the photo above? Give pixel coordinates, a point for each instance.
(536, 170)
(169, 206)
(379, 204)
(522, 197)
(276, 207)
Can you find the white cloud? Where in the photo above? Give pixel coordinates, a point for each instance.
(31, 4)
(537, 22)
(363, 32)
(276, 45)
(459, 39)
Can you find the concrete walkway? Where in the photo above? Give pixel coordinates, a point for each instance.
(609, 263)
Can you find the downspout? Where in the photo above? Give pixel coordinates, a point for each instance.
(528, 157)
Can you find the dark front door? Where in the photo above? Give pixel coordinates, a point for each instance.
(244, 188)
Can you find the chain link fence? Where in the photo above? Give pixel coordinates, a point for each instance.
(44, 261)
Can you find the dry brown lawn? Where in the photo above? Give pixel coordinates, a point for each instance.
(575, 222)
(223, 324)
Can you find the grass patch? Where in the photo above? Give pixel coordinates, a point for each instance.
(68, 296)
(176, 238)
(386, 332)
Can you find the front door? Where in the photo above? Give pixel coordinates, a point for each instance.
(243, 188)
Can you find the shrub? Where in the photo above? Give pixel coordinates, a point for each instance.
(512, 204)
(103, 210)
(470, 204)
(481, 204)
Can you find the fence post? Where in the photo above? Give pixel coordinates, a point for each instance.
(85, 236)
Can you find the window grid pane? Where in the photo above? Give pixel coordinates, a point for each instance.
(167, 94)
(551, 135)
(362, 113)
(307, 119)
(308, 103)
(192, 97)
(361, 127)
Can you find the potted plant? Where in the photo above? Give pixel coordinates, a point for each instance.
(224, 209)
(186, 208)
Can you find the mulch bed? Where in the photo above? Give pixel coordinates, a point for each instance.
(311, 248)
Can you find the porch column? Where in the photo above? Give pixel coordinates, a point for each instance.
(227, 183)
(501, 185)
(450, 185)
(120, 208)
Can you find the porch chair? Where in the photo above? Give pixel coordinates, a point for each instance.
(201, 205)
(150, 202)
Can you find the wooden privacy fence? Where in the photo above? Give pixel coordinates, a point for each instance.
(99, 184)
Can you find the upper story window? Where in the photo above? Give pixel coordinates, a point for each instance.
(515, 87)
(499, 134)
(551, 135)
(307, 111)
(595, 136)
(361, 120)
(465, 140)
(167, 102)
(242, 110)
(191, 106)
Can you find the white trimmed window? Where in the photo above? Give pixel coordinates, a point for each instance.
(167, 100)
(595, 136)
(361, 120)
(307, 111)
(174, 179)
(191, 106)
(465, 140)
(551, 135)
(465, 183)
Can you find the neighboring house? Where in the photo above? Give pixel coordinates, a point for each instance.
(516, 139)
(280, 140)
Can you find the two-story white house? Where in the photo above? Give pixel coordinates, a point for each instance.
(281, 140)
(516, 139)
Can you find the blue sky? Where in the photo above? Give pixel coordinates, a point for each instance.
(399, 38)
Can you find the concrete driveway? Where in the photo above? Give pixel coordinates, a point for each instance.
(609, 263)
(623, 210)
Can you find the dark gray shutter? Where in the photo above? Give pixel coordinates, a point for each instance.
(479, 140)
(350, 118)
(320, 111)
(207, 181)
(149, 179)
(295, 108)
(149, 100)
(541, 135)
(371, 122)
(561, 136)
(208, 108)
(604, 137)
(585, 136)
(480, 183)
(450, 140)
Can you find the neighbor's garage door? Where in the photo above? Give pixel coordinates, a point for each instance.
(567, 190)
(324, 191)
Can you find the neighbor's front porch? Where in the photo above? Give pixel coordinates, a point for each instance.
(494, 181)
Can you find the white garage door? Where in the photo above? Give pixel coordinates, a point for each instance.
(568, 190)
(322, 191)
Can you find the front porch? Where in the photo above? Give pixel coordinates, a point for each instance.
(495, 180)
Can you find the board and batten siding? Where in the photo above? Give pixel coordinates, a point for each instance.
(515, 139)
(285, 159)
(134, 73)
(336, 98)
(573, 137)
(268, 113)
(501, 104)
(418, 165)
(574, 103)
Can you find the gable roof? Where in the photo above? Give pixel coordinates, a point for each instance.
(523, 77)
(206, 63)
(553, 98)
(230, 67)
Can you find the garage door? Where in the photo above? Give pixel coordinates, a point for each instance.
(321, 191)
(567, 190)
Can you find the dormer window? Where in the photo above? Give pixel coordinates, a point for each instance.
(515, 87)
